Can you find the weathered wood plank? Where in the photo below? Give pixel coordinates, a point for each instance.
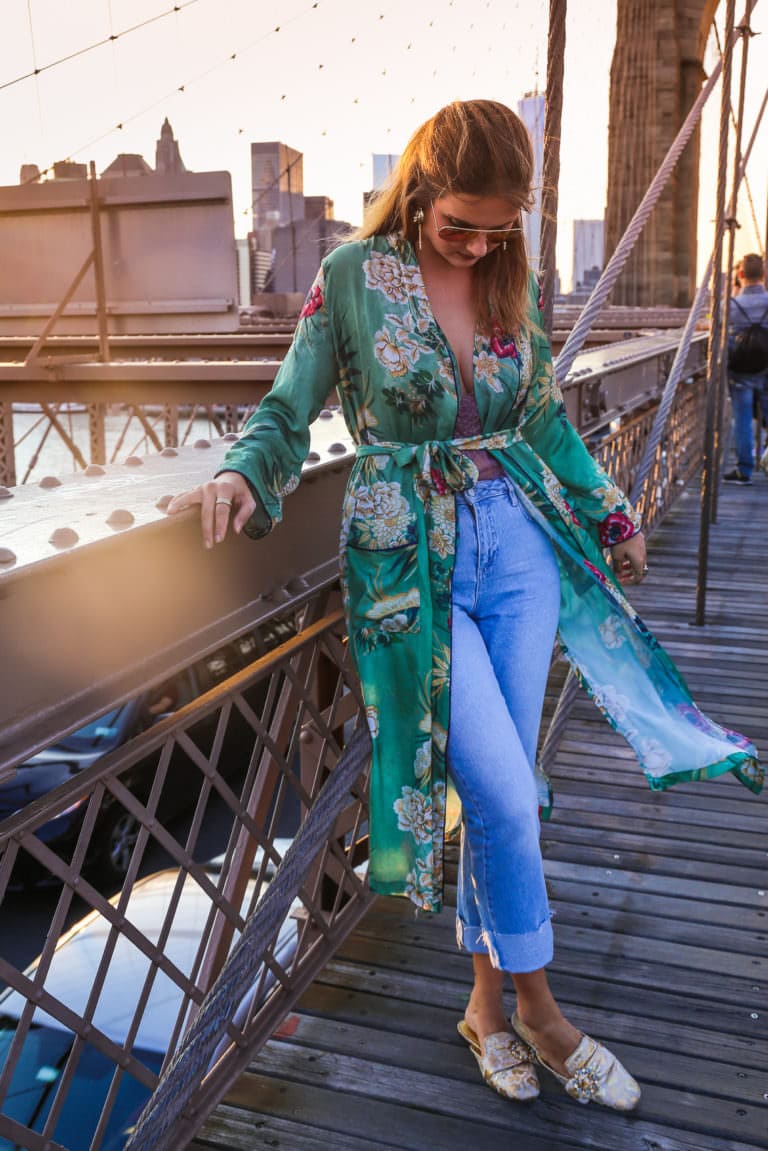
(584, 850)
(630, 972)
(638, 801)
(649, 917)
(571, 893)
(609, 1003)
(371, 1038)
(440, 1095)
(657, 828)
(228, 1129)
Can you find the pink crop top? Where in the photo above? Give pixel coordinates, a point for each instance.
(468, 424)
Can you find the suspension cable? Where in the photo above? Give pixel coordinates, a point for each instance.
(747, 186)
(613, 268)
(678, 365)
(709, 465)
(182, 87)
(551, 172)
(576, 338)
(97, 44)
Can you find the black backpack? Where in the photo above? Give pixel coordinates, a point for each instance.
(748, 355)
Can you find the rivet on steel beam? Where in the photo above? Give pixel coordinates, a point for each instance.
(306, 735)
(336, 449)
(163, 502)
(6, 494)
(50, 482)
(7, 556)
(120, 518)
(297, 585)
(326, 414)
(133, 461)
(230, 437)
(64, 538)
(169, 452)
(94, 470)
(313, 457)
(202, 444)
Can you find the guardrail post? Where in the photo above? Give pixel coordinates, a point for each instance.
(96, 433)
(98, 267)
(7, 453)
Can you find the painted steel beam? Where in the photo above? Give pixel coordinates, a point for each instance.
(243, 345)
(245, 382)
(101, 594)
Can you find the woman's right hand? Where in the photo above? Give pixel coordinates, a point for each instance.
(225, 500)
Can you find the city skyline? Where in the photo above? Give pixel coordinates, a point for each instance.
(329, 79)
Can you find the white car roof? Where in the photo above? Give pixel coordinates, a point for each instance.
(75, 963)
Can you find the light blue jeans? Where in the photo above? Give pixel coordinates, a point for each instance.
(743, 392)
(506, 597)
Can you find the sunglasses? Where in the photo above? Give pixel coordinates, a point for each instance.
(454, 233)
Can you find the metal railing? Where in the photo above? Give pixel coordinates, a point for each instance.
(675, 461)
(262, 742)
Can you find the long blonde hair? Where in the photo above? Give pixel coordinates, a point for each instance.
(472, 148)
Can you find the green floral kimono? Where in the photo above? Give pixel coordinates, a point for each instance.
(367, 329)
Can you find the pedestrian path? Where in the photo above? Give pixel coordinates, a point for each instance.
(661, 931)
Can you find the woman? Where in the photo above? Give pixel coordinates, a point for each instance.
(474, 517)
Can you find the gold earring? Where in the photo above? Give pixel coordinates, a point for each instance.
(418, 219)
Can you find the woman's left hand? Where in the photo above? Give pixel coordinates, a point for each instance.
(629, 560)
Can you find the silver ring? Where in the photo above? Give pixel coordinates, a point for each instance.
(223, 500)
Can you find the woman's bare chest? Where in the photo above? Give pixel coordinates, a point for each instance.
(454, 312)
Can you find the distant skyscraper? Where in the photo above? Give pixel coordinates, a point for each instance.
(167, 154)
(531, 112)
(588, 241)
(277, 184)
(383, 166)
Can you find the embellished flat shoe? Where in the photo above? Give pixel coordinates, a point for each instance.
(505, 1064)
(594, 1073)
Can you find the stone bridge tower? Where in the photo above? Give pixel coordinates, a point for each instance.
(656, 74)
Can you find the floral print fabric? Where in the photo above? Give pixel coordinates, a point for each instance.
(367, 330)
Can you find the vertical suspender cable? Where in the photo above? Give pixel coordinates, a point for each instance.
(550, 178)
(551, 168)
(592, 308)
(709, 468)
(638, 492)
(730, 224)
(635, 226)
(98, 266)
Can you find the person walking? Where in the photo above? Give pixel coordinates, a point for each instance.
(475, 525)
(747, 372)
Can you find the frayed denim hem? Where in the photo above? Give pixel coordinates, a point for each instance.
(514, 953)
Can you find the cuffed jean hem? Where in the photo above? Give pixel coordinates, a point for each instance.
(514, 953)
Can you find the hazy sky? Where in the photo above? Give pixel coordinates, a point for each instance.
(337, 79)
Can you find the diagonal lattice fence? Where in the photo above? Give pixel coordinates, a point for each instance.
(190, 820)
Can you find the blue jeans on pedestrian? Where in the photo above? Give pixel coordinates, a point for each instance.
(506, 597)
(743, 391)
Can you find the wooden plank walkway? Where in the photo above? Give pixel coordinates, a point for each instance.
(661, 922)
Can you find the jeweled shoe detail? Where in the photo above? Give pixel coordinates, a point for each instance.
(594, 1073)
(505, 1063)
(584, 1085)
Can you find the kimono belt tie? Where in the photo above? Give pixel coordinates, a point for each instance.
(442, 464)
